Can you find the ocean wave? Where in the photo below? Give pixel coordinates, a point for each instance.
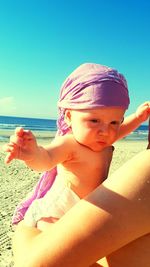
(6, 126)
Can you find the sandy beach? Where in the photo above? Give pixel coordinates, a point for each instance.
(16, 180)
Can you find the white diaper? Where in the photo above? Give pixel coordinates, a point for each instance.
(58, 200)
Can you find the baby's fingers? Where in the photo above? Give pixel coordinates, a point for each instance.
(16, 140)
(12, 150)
(19, 131)
(8, 158)
(21, 134)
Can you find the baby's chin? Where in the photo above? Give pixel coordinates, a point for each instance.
(98, 148)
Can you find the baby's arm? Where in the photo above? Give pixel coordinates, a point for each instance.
(148, 147)
(23, 146)
(134, 120)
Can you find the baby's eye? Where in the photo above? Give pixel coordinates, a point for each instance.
(115, 122)
(94, 120)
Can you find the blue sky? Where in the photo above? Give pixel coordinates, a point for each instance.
(42, 41)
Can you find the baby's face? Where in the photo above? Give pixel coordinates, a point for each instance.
(96, 128)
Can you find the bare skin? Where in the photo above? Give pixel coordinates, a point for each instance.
(88, 144)
(82, 156)
(109, 228)
(148, 147)
(115, 222)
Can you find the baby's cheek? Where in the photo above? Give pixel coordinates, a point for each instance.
(114, 136)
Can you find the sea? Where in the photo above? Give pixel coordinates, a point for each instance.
(8, 124)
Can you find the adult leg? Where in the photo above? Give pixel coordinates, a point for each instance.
(113, 216)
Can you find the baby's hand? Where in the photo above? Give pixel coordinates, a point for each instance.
(143, 112)
(22, 146)
(45, 223)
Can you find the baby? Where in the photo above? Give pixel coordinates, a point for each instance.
(92, 104)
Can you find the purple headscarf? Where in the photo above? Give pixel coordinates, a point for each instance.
(89, 86)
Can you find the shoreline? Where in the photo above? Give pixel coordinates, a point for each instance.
(49, 135)
(43, 137)
(16, 180)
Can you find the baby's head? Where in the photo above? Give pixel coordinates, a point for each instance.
(91, 86)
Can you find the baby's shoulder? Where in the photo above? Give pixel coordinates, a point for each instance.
(67, 140)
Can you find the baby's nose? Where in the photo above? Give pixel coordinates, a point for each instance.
(103, 129)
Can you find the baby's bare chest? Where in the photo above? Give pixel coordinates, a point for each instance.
(89, 160)
(88, 168)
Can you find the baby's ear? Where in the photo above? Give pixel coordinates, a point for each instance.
(67, 117)
(122, 120)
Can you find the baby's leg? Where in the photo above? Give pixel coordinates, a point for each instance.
(43, 223)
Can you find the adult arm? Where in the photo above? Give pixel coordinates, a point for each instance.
(113, 215)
